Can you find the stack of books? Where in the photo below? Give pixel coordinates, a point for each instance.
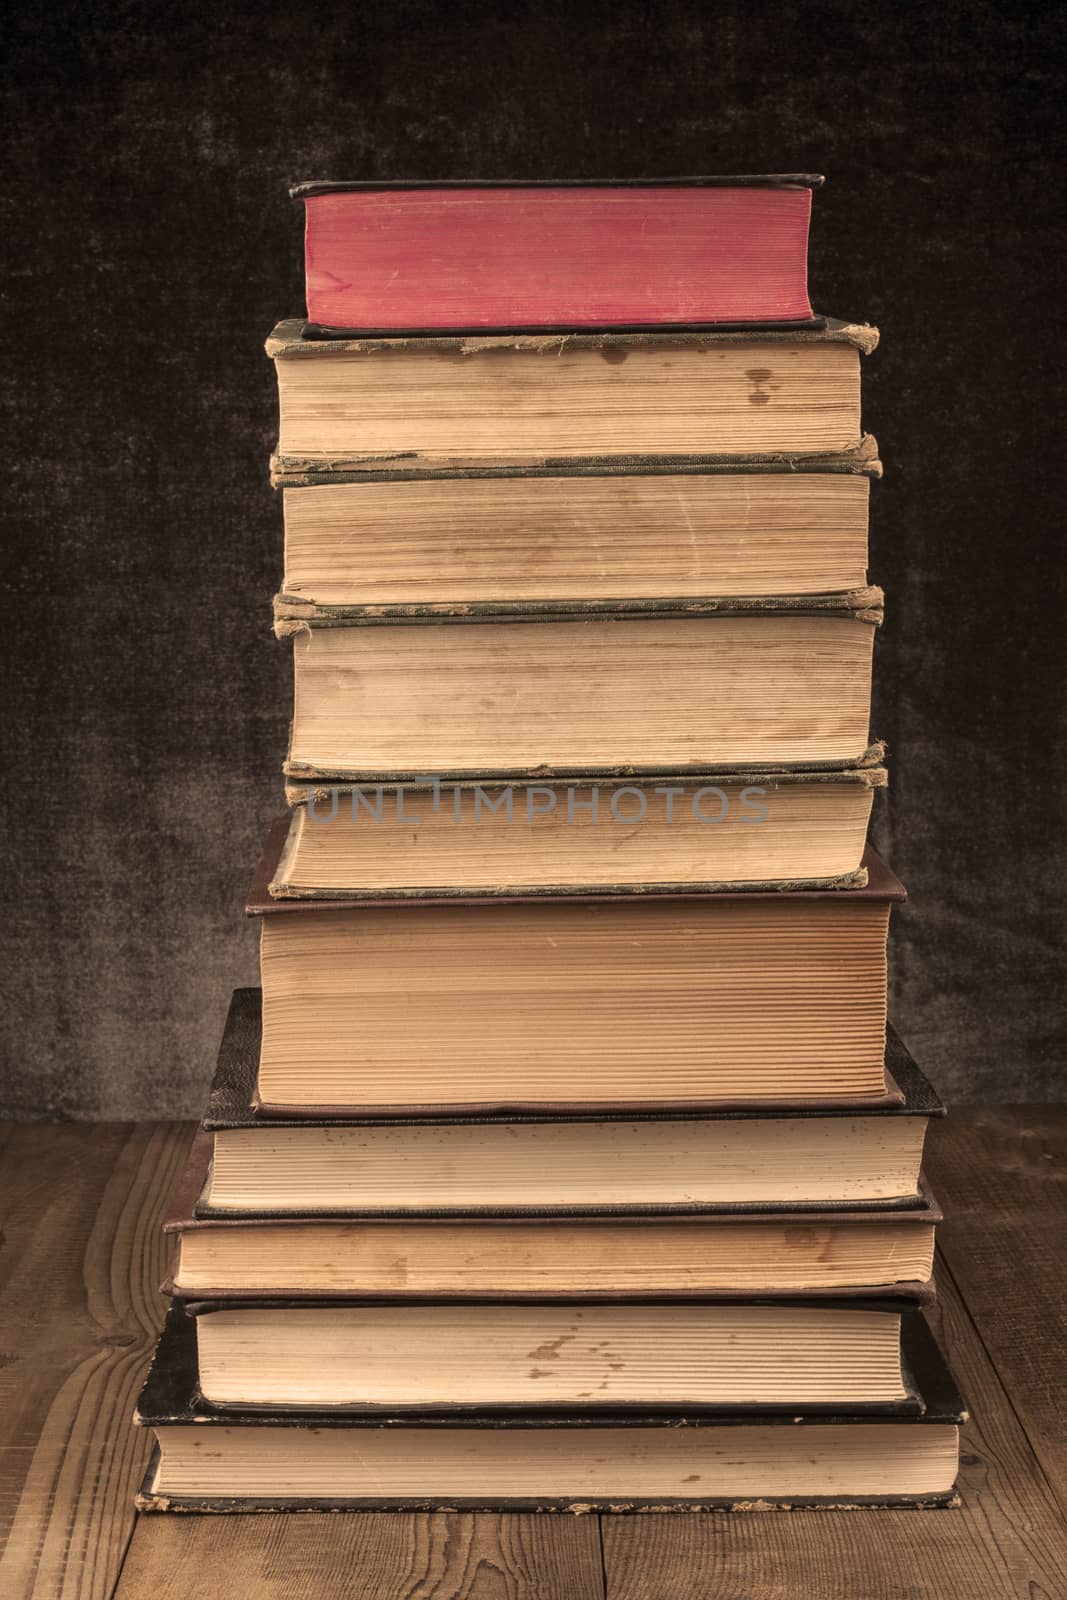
(565, 1158)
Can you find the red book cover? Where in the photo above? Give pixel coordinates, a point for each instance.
(462, 257)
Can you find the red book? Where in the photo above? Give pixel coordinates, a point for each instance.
(412, 257)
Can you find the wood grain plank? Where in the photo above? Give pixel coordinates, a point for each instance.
(372, 1556)
(1001, 1174)
(79, 1313)
(1007, 1539)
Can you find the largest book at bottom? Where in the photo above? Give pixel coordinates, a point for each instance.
(598, 1460)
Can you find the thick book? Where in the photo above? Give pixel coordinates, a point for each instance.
(727, 1251)
(540, 399)
(584, 531)
(610, 1460)
(678, 1001)
(355, 1355)
(645, 1162)
(646, 687)
(778, 829)
(674, 251)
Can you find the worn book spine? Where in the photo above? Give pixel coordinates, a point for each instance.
(868, 772)
(288, 340)
(293, 471)
(293, 614)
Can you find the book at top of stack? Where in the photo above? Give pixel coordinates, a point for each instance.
(644, 550)
(571, 1063)
(462, 255)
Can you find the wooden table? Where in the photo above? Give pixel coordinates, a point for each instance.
(80, 1259)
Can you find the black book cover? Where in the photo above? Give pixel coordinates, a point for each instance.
(294, 338)
(915, 1339)
(716, 180)
(230, 1102)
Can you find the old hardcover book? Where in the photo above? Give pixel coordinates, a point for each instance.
(543, 399)
(368, 1355)
(784, 829)
(644, 1162)
(677, 1000)
(644, 688)
(611, 1460)
(411, 256)
(726, 1251)
(355, 539)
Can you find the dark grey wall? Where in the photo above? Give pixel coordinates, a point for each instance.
(153, 246)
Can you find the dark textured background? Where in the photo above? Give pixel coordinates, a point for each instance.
(153, 246)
